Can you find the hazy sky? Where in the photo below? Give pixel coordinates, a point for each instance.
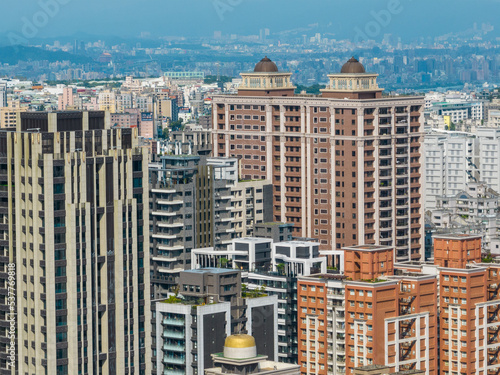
(408, 18)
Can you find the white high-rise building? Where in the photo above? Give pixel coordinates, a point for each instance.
(450, 162)
(3, 95)
(489, 156)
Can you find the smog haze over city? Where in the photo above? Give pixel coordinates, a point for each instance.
(200, 18)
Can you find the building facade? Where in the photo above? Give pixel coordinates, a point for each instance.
(345, 165)
(74, 204)
(197, 204)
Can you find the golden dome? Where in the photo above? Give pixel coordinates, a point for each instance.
(353, 66)
(239, 341)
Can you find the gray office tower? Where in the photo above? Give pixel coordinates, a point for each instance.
(73, 203)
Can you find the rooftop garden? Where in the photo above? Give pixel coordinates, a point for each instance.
(253, 293)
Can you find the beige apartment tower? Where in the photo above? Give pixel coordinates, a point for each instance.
(345, 165)
(73, 203)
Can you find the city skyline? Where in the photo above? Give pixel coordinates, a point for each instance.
(253, 187)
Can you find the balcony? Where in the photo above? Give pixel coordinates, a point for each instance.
(169, 224)
(174, 322)
(170, 202)
(173, 372)
(174, 348)
(165, 213)
(173, 334)
(178, 360)
(164, 236)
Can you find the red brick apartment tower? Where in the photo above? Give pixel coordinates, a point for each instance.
(312, 327)
(345, 165)
(469, 307)
(390, 320)
(456, 250)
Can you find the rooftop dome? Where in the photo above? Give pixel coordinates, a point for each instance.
(240, 346)
(239, 341)
(265, 66)
(353, 66)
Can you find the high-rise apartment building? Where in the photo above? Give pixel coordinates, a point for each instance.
(67, 98)
(321, 324)
(198, 204)
(454, 160)
(274, 268)
(469, 306)
(450, 163)
(489, 156)
(390, 320)
(3, 95)
(74, 202)
(345, 165)
(368, 315)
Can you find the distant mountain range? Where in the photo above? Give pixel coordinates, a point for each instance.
(13, 54)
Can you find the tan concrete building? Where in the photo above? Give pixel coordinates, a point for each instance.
(345, 165)
(9, 117)
(74, 202)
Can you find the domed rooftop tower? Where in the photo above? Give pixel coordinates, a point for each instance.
(266, 80)
(352, 83)
(240, 346)
(352, 66)
(266, 66)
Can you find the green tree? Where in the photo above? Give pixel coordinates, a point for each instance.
(176, 125)
(281, 268)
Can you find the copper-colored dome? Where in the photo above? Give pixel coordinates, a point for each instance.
(353, 66)
(265, 66)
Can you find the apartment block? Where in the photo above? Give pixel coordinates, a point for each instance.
(10, 116)
(67, 98)
(456, 250)
(194, 207)
(312, 327)
(459, 110)
(125, 120)
(345, 166)
(321, 324)
(454, 160)
(489, 156)
(335, 322)
(391, 317)
(451, 162)
(74, 202)
(273, 269)
(189, 142)
(3, 95)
